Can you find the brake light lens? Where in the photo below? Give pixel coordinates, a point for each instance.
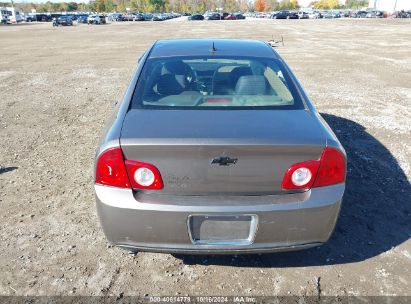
(144, 175)
(332, 168)
(110, 169)
(328, 170)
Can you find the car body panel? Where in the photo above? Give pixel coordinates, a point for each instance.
(291, 222)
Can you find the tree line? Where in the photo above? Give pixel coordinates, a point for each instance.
(187, 6)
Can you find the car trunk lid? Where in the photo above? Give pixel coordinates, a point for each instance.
(227, 152)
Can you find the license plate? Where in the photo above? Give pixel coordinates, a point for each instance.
(222, 229)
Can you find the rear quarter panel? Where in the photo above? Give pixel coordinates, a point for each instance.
(110, 136)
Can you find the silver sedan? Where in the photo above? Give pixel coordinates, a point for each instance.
(216, 148)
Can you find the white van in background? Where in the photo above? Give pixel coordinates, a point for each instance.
(10, 15)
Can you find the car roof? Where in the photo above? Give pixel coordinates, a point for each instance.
(203, 47)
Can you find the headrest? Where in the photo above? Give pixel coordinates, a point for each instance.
(237, 72)
(169, 85)
(251, 85)
(241, 71)
(177, 67)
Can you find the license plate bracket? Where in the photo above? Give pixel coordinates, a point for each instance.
(222, 229)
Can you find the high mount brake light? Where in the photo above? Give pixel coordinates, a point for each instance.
(328, 170)
(112, 170)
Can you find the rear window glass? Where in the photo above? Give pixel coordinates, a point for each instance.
(215, 82)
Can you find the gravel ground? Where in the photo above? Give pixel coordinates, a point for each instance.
(59, 85)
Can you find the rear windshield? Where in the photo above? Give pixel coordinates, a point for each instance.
(215, 82)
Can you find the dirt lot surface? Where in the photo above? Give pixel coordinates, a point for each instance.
(57, 88)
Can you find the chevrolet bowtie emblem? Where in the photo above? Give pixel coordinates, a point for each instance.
(224, 161)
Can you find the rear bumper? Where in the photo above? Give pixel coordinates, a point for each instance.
(159, 223)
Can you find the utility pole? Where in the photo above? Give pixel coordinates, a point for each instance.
(395, 6)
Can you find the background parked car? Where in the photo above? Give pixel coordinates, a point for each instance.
(361, 14)
(82, 19)
(346, 14)
(128, 17)
(72, 16)
(159, 17)
(213, 16)
(96, 19)
(139, 17)
(43, 18)
(239, 16)
(30, 18)
(332, 14)
(55, 15)
(115, 17)
(262, 15)
(375, 14)
(64, 20)
(148, 17)
(286, 15)
(403, 14)
(196, 17)
(315, 15)
(102, 19)
(230, 17)
(302, 15)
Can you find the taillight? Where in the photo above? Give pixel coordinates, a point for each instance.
(301, 175)
(143, 175)
(110, 169)
(332, 168)
(328, 170)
